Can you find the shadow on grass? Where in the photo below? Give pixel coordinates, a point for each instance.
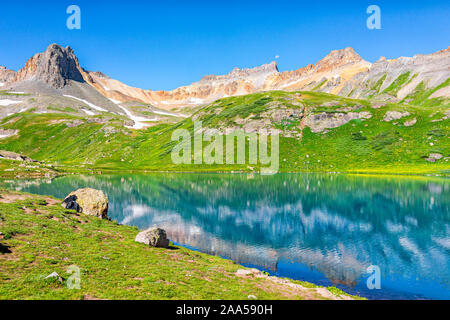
(4, 248)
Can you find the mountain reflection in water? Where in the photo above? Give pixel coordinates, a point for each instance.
(332, 225)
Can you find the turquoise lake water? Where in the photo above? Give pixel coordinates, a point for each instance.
(323, 228)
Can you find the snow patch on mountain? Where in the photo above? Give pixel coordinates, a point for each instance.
(139, 122)
(87, 103)
(7, 102)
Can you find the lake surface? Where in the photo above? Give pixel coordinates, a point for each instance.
(326, 229)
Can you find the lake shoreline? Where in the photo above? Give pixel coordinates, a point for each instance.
(18, 211)
(17, 169)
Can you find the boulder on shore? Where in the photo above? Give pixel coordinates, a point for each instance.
(88, 201)
(155, 237)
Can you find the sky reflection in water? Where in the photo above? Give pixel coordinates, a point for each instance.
(325, 228)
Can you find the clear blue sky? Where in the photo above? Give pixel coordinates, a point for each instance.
(166, 44)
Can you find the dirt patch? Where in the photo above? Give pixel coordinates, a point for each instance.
(52, 202)
(89, 297)
(28, 210)
(10, 198)
(176, 257)
(287, 288)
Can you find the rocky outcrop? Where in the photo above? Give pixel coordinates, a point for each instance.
(6, 76)
(14, 156)
(88, 201)
(154, 237)
(321, 121)
(394, 115)
(56, 67)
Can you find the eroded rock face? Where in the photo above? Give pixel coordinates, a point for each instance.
(321, 121)
(56, 67)
(155, 237)
(6, 75)
(88, 201)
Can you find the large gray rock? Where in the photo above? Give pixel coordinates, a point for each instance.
(88, 201)
(154, 237)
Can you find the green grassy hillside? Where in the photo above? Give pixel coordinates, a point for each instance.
(369, 144)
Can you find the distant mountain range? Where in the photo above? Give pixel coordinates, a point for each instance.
(342, 114)
(57, 71)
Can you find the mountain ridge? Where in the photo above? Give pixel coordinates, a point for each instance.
(342, 72)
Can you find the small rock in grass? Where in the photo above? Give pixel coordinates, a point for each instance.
(155, 237)
(252, 297)
(410, 122)
(243, 272)
(54, 275)
(434, 156)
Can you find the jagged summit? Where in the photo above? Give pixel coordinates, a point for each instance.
(265, 68)
(238, 73)
(55, 66)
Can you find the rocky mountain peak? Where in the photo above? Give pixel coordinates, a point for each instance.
(337, 58)
(55, 66)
